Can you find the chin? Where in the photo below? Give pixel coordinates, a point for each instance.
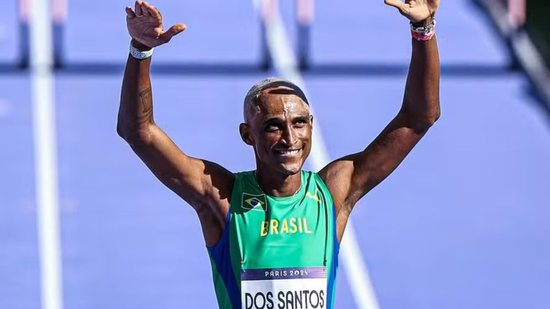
(291, 170)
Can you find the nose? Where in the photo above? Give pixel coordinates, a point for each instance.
(289, 136)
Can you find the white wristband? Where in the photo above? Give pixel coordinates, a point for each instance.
(140, 54)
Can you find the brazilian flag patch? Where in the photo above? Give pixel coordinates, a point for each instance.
(256, 202)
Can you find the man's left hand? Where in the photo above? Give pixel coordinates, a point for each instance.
(415, 10)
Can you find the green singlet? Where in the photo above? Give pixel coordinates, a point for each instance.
(277, 252)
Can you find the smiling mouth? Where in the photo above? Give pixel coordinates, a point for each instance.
(287, 152)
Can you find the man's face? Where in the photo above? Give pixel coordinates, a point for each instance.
(280, 131)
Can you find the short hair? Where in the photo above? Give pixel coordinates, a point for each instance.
(251, 98)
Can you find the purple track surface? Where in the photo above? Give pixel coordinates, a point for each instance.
(462, 223)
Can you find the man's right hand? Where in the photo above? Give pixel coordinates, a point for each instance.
(145, 25)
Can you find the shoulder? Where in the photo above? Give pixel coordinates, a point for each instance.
(243, 181)
(311, 176)
(247, 176)
(316, 184)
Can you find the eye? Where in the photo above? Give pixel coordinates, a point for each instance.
(271, 128)
(300, 122)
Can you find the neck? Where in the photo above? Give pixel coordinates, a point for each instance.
(276, 184)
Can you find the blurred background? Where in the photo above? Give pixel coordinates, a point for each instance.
(462, 223)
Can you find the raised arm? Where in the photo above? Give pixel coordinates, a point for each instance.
(204, 185)
(351, 177)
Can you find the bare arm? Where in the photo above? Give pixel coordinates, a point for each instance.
(351, 177)
(204, 185)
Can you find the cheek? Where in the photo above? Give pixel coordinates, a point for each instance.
(268, 140)
(305, 134)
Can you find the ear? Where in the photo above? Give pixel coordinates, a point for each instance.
(245, 134)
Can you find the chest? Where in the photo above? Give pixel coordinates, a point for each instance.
(271, 234)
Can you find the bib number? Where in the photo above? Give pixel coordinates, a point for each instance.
(284, 288)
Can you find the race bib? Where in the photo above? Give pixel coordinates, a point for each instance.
(284, 288)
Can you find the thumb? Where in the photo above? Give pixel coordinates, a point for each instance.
(174, 30)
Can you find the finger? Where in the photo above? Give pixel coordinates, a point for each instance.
(152, 10)
(398, 4)
(137, 8)
(174, 30)
(130, 13)
(145, 9)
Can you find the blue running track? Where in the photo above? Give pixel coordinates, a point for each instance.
(462, 223)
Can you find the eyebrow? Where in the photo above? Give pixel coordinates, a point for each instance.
(302, 117)
(272, 120)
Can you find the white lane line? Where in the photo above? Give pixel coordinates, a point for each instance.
(284, 61)
(45, 154)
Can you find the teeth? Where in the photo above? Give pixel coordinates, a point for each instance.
(288, 151)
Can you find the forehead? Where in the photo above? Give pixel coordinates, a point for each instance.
(281, 101)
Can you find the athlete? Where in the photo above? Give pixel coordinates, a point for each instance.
(273, 233)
